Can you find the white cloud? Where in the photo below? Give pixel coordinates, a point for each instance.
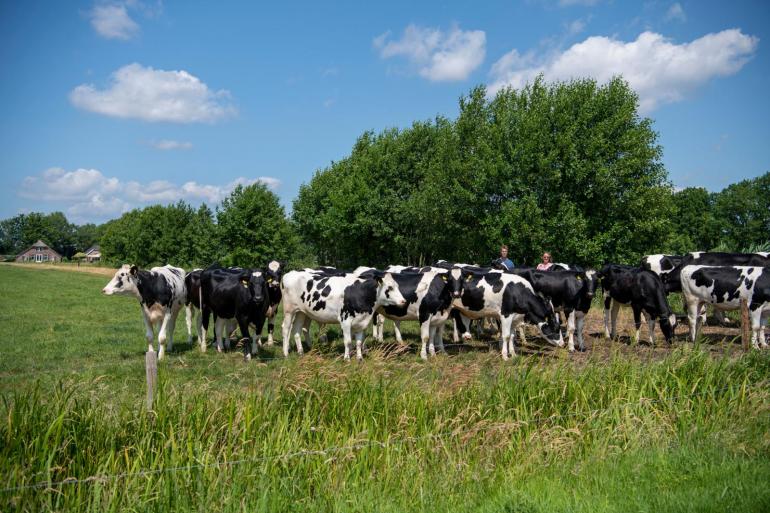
(659, 70)
(438, 55)
(676, 12)
(145, 93)
(167, 144)
(112, 21)
(576, 27)
(87, 194)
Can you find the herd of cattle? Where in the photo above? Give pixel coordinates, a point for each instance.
(433, 295)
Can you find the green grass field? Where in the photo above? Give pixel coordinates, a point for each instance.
(610, 430)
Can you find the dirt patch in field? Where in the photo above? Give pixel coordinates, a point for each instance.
(718, 340)
(84, 268)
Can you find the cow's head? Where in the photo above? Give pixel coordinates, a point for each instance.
(273, 273)
(124, 282)
(667, 325)
(388, 293)
(591, 282)
(256, 284)
(542, 315)
(458, 278)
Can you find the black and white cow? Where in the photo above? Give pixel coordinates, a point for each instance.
(724, 287)
(641, 289)
(349, 300)
(570, 292)
(673, 281)
(429, 301)
(161, 293)
(240, 294)
(273, 275)
(508, 298)
(660, 264)
(192, 283)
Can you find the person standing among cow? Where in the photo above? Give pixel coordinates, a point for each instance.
(504, 260)
(546, 264)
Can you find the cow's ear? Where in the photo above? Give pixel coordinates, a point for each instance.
(134, 269)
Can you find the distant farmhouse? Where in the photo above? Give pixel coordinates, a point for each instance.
(93, 254)
(39, 252)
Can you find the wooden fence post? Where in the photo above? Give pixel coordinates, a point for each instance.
(745, 325)
(151, 367)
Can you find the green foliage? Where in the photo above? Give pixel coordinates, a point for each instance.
(743, 210)
(253, 228)
(23, 230)
(568, 167)
(158, 235)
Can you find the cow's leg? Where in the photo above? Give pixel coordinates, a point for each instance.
(346, 338)
(255, 344)
(505, 331)
(286, 330)
(359, 345)
(607, 304)
(188, 315)
(756, 328)
(522, 334)
(201, 332)
(651, 328)
(637, 323)
(271, 327)
(580, 320)
(397, 332)
(512, 338)
(570, 330)
(425, 341)
(379, 328)
(163, 333)
(455, 333)
(693, 317)
(243, 324)
(438, 337)
(149, 334)
(300, 322)
(614, 319)
(219, 330)
(764, 318)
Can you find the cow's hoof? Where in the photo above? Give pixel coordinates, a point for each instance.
(247, 357)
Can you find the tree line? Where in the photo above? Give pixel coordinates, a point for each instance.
(568, 167)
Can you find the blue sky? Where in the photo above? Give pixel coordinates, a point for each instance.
(108, 106)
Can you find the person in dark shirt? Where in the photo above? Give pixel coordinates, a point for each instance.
(504, 258)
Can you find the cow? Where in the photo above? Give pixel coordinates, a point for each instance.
(273, 275)
(660, 264)
(641, 289)
(428, 300)
(570, 292)
(161, 293)
(508, 298)
(192, 283)
(240, 294)
(349, 300)
(673, 281)
(724, 287)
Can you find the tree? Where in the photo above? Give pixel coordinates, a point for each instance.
(253, 228)
(743, 212)
(695, 225)
(569, 167)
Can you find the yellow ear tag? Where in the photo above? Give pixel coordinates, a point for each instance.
(578, 278)
(443, 277)
(245, 284)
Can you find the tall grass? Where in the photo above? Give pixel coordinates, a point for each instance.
(385, 435)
